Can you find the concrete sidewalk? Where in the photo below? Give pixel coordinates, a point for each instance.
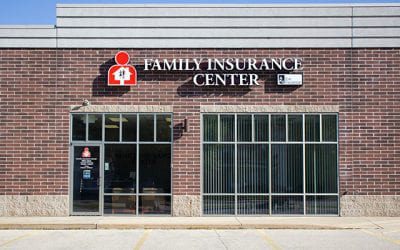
(92, 222)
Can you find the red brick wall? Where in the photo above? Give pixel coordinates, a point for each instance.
(39, 85)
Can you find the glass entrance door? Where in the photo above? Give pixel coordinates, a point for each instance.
(86, 180)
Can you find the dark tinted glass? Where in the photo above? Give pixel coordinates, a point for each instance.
(86, 179)
(244, 127)
(164, 127)
(146, 127)
(227, 127)
(219, 168)
(287, 205)
(155, 168)
(295, 123)
(119, 168)
(329, 128)
(210, 124)
(287, 168)
(117, 204)
(112, 127)
(312, 127)
(278, 127)
(252, 173)
(95, 125)
(321, 168)
(150, 204)
(129, 128)
(222, 204)
(261, 127)
(79, 127)
(253, 204)
(322, 204)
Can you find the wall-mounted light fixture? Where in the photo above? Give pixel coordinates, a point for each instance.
(186, 125)
(86, 103)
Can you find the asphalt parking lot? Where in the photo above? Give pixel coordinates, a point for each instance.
(201, 239)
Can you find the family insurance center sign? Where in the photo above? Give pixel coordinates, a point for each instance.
(219, 72)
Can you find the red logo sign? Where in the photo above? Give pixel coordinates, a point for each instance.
(122, 74)
(86, 153)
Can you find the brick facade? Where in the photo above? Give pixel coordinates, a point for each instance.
(39, 85)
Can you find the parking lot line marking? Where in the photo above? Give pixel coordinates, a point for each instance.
(382, 237)
(142, 239)
(269, 240)
(16, 239)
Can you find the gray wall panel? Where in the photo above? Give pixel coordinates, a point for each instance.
(374, 32)
(27, 32)
(213, 26)
(202, 12)
(376, 42)
(377, 11)
(27, 43)
(204, 43)
(204, 22)
(203, 32)
(376, 21)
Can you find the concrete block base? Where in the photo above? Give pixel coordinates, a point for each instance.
(34, 205)
(370, 205)
(186, 205)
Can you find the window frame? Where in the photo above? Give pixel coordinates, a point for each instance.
(102, 143)
(269, 142)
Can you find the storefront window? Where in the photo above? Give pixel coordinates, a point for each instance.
(246, 173)
(137, 173)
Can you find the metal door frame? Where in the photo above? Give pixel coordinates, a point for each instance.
(71, 175)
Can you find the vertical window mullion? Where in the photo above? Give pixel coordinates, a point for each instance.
(120, 127)
(236, 159)
(269, 165)
(320, 127)
(137, 164)
(87, 127)
(287, 127)
(304, 163)
(155, 127)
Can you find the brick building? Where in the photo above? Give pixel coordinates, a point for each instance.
(237, 110)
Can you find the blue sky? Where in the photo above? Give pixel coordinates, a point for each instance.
(44, 11)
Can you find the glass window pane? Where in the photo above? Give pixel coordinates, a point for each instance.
(261, 127)
(78, 127)
(155, 168)
(95, 126)
(164, 127)
(322, 204)
(112, 127)
(295, 124)
(227, 127)
(252, 168)
(146, 127)
(321, 168)
(219, 168)
(312, 127)
(329, 128)
(86, 178)
(129, 128)
(120, 168)
(253, 204)
(219, 204)
(244, 127)
(151, 204)
(287, 205)
(210, 123)
(287, 168)
(118, 204)
(278, 127)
